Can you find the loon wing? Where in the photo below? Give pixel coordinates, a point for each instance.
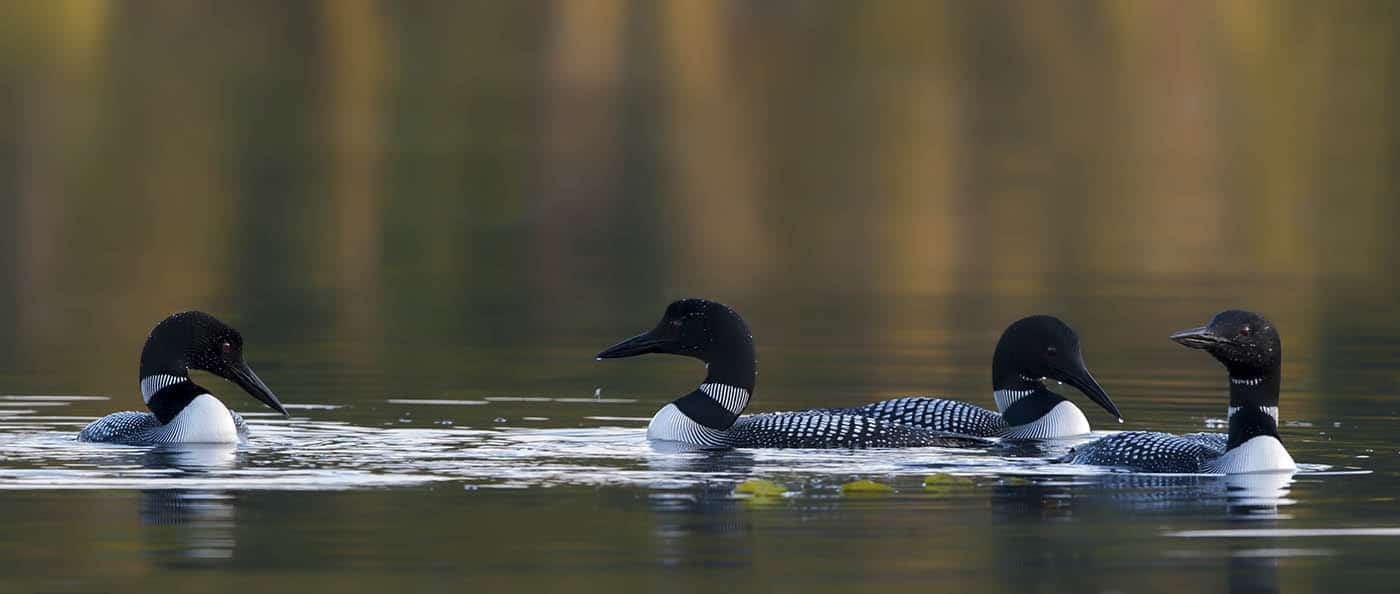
(1211, 441)
(817, 429)
(938, 414)
(120, 427)
(1143, 451)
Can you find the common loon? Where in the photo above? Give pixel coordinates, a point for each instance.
(1248, 346)
(709, 416)
(1031, 350)
(181, 411)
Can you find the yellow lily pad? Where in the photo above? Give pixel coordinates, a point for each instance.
(944, 483)
(865, 487)
(760, 488)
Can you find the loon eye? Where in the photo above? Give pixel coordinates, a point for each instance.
(1244, 331)
(1052, 351)
(226, 347)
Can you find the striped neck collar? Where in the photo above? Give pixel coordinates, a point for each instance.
(154, 383)
(1268, 410)
(1006, 398)
(733, 398)
(714, 405)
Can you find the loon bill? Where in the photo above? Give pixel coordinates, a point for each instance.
(710, 415)
(1030, 351)
(1250, 349)
(182, 411)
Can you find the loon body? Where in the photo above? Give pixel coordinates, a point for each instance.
(182, 411)
(1249, 347)
(1030, 351)
(710, 415)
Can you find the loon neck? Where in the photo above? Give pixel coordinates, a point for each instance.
(1021, 407)
(1253, 405)
(1010, 385)
(725, 393)
(167, 394)
(737, 366)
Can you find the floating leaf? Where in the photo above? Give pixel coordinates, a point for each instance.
(865, 487)
(760, 488)
(944, 482)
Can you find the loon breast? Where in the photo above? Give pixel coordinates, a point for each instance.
(1263, 453)
(670, 424)
(1064, 420)
(204, 420)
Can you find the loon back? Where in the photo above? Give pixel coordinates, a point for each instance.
(804, 429)
(1030, 351)
(710, 415)
(1249, 347)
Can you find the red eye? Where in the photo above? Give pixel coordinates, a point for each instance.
(1244, 331)
(1051, 351)
(227, 347)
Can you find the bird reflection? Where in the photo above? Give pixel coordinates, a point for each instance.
(705, 527)
(1257, 496)
(198, 524)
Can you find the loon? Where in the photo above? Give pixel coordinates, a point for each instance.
(1248, 346)
(1031, 350)
(709, 416)
(181, 411)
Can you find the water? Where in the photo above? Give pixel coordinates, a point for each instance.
(429, 479)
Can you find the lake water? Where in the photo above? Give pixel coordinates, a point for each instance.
(468, 463)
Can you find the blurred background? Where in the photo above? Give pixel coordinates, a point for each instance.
(346, 174)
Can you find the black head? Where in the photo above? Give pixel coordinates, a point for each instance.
(1246, 343)
(1038, 347)
(709, 331)
(691, 327)
(197, 340)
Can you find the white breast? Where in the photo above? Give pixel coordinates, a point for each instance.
(1064, 420)
(203, 420)
(670, 424)
(1264, 453)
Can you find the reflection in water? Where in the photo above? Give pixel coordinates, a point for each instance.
(1253, 570)
(1250, 573)
(697, 526)
(201, 522)
(1258, 495)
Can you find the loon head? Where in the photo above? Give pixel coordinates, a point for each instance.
(1039, 347)
(1243, 341)
(196, 340)
(709, 331)
(1249, 347)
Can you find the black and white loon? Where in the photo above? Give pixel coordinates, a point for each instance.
(709, 416)
(1248, 346)
(1030, 351)
(182, 411)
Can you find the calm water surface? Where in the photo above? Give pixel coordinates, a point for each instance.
(512, 460)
